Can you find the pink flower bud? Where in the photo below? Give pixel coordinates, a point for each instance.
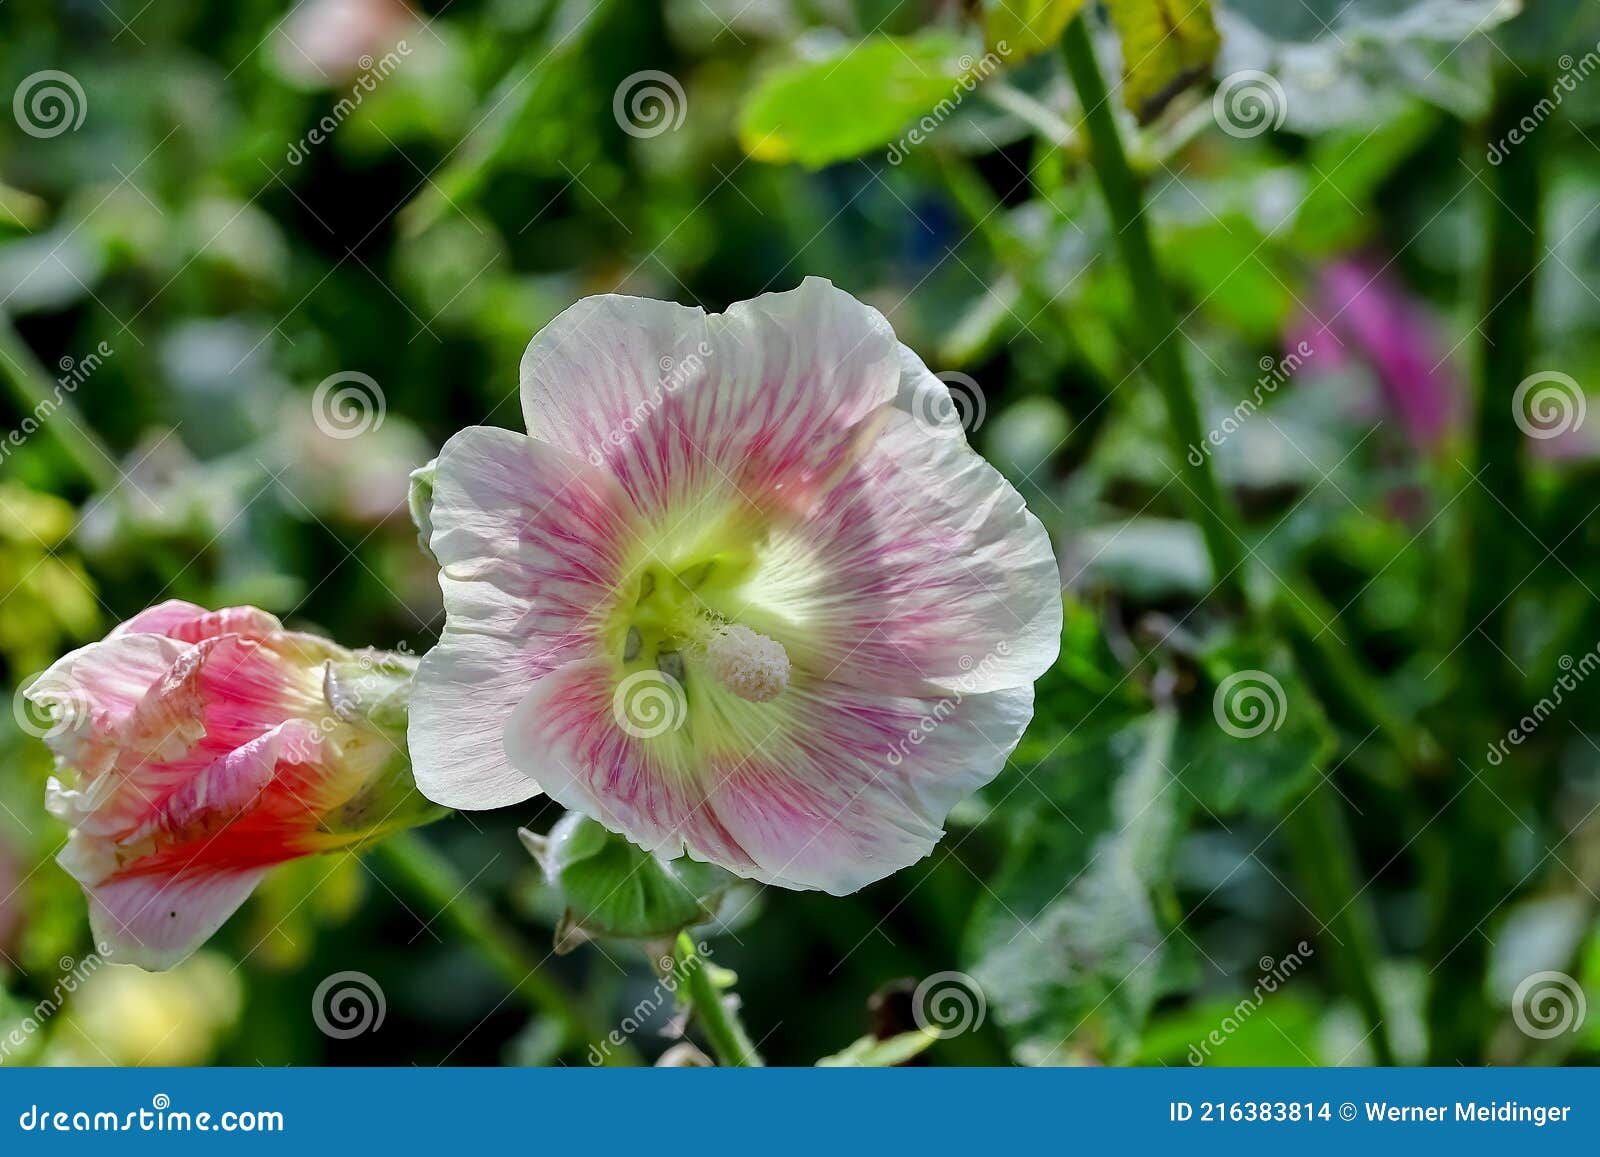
(195, 750)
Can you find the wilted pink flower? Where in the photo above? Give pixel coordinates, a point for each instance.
(1363, 313)
(744, 591)
(196, 750)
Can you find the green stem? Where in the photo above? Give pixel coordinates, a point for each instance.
(1328, 860)
(39, 397)
(1512, 247)
(433, 881)
(1459, 1013)
(1325, 861)
(1157, 321)
(1154, 318)
(1342, 679)
(729, 1042)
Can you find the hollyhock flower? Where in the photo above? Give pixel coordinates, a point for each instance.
(743, 591)
(1366, 314)
(197, 749)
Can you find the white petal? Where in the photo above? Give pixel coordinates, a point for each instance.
(763, 404)
(528, 538)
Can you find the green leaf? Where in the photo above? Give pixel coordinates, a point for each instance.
(1018, 29)
(612, 888)
(861, 98)
(1146, 559)
(1256, 736)
(1068, 951)
(1166, 46)
(871, 1053)
(20, 209)
(1339, 209)
(1314, 65)
(1281, 1032)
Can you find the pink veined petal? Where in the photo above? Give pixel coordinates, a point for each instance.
(921, 570)
(216, 696)
(565, 732)
(93, 691)
(199, 811)
(838, 789)
(763, 404)
(530, 541)
(189, 623)
(156, 921)
(859, 784)
(158, 890)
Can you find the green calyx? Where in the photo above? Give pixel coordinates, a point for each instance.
(612, 888)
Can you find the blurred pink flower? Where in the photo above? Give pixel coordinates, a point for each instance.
(1363, 313)
(743, 591)
(196, 749)
(324, 42)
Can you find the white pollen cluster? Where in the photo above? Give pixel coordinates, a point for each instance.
(749, 664)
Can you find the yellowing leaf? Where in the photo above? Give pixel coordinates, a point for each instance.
(1166, 46)
(1017, 29)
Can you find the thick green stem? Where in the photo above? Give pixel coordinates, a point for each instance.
(434, 883)
(1328, 863)
(1459, 1014)
(730, 1044)
(1154, 317)
(1325, 861)
(1512, 247)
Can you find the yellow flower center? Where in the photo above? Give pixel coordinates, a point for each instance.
(683, 611)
